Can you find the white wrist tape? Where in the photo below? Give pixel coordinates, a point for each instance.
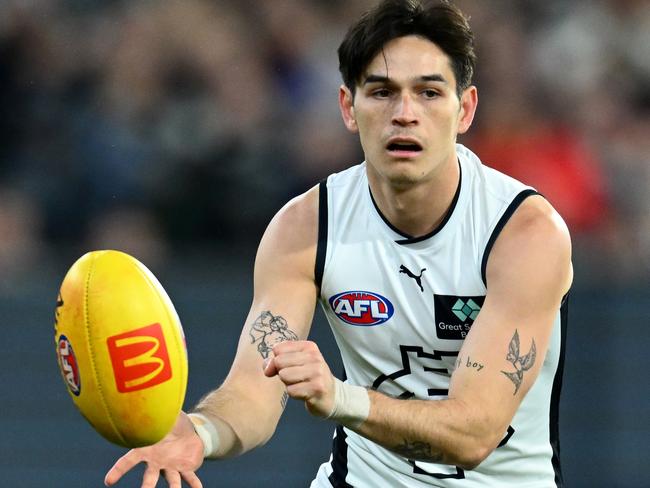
(351, 404)
(207, 432)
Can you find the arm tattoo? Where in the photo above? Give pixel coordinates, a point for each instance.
(470, 363)
(521, 363)
(268, 330)
(417, 450)
(284, 400)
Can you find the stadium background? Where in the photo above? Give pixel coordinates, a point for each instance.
(174, 130)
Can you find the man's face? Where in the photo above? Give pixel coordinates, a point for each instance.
(407, 112)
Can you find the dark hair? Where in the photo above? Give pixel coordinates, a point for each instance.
(440, 22)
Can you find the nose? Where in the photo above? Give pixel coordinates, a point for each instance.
(405, 111)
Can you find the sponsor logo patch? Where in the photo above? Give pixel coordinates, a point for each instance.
(361, 308)
(68, 365)
(455, 315)
(140, 359)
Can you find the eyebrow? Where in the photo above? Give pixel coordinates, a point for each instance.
(385, 79)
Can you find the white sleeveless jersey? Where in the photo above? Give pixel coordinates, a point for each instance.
(400, 307)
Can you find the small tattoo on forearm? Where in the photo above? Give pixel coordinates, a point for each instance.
(284, 400)
(473, 364)
(417, 450)
(521, 363)
(268, 330)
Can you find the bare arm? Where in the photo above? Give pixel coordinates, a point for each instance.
(528, 273)
(246, 408)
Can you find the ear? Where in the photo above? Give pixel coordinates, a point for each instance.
(468, 104)
(346, 104)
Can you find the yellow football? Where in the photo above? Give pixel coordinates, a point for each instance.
(120, 348)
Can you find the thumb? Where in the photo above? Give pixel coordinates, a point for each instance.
(268, 366)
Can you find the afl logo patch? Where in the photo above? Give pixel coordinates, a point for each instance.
(68, 365)
(361, 308)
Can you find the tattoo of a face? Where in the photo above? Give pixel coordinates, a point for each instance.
(520, 363)
(268, 330)
(417, 450)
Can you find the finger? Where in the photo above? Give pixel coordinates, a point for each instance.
(309, 353)
(173, 478)
(285, 360)
(192, 479)
(150, 477)
(121, 467)
(294, 358)
(269, 367)
(294, 375)
(300, 391)
(290, 346)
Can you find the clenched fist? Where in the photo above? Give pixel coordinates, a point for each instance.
(302, 368)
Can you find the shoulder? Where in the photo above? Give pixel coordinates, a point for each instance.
(537, 220)
(298, 217)
(534, 247)
(291, 237)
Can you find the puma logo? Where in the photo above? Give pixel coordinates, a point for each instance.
(409, 273)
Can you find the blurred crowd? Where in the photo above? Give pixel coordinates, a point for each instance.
(157, 126)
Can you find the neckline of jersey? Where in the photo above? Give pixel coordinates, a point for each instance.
(409, 239)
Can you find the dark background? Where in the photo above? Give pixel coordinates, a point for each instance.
(175, 130)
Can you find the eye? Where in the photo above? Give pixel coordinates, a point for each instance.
(381, 93)
(430, 93)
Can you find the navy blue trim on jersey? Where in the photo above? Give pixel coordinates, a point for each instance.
(321, 246)
(554, 418)
(514, 205)
(409, 239)
(339, 460)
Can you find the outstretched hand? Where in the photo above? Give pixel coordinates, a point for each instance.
(302, 368)
(178, 455)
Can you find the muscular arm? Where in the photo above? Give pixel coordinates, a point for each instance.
(245, 410)
(247, 406)
(528, 273)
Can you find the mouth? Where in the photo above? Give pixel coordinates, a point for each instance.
(404, 148)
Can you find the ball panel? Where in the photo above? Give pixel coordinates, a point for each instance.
(71, 322)
(128, 319)
(177, 337)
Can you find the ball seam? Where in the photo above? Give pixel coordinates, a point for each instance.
(92, 354)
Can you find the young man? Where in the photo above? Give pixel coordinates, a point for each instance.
(443, 282)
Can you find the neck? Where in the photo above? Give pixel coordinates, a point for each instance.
(419, 208)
